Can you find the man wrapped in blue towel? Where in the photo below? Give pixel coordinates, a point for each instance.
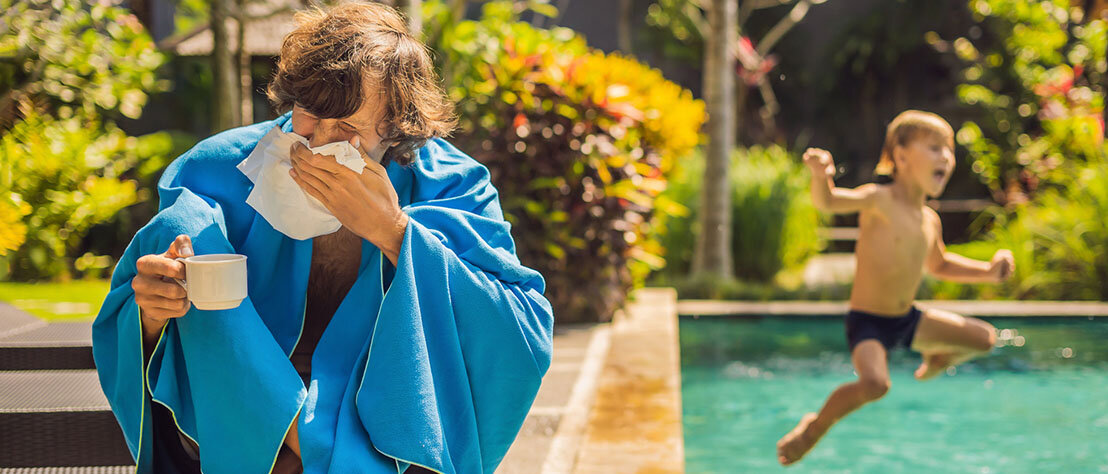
(410, 338)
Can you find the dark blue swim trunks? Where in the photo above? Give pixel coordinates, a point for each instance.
(890, 331)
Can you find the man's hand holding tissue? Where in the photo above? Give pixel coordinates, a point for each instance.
(365, 203)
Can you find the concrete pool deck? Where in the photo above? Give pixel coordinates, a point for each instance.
(611, 402)
(839, 308)
(635, 425)
(551, 434)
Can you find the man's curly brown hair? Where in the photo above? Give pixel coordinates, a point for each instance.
(328, 59)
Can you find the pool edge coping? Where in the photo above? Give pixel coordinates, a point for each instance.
(723, 308)
(635, 423)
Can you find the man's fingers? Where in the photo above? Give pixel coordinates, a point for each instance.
(162, 314)
(310, 179)
(306, 170)
(159, 266)
(181, 247)
(307, 159)
(310, 185)
(325, 163)
(299, 151)
(371, 164)
(374, 172)
(167, 307)
(146, 285)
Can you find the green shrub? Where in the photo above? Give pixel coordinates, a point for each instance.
(1059, 241)
(12, 229)
(69, 174)
(72, 54)
(1037, 73)
(578, 143)
(1036, 76)
(774, 225)
(70, 65)
(678, 228)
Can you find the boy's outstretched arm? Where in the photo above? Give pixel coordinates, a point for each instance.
(825, 195)
(953, 267)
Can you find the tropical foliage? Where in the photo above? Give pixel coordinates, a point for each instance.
(1059, 241)
(69, 67)
(578, 143)
(74, 57)
(1040, 148)
(1036, 73)
(70, 174)
(774, 224)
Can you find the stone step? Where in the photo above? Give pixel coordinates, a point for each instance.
(14, 320)
(57, 418)
(69, 470)
(53, 346)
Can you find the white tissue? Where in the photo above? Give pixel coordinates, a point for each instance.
(278, 198)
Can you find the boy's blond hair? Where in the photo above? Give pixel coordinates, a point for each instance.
(906, 127)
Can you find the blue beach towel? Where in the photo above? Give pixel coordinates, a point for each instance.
(434, 362)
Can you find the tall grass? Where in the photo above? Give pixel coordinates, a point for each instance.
(774, 225)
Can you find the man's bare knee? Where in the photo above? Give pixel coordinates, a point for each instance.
(875, 388)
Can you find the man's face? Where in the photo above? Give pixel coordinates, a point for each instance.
(362, 123)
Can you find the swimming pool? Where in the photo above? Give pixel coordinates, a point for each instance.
(1038, 404)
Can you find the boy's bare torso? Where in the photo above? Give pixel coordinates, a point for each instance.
(893, 243)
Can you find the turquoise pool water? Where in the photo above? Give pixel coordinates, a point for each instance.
(1039, 404)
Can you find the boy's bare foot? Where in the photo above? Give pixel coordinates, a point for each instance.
(933, 364)
(797, 442)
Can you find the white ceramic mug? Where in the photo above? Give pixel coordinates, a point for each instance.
(215, 281)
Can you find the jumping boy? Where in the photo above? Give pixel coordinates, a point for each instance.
(899, 237)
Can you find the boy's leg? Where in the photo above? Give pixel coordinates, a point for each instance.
(871, 364)
(946, 339)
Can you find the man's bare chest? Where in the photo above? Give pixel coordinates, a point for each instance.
(335, 261)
